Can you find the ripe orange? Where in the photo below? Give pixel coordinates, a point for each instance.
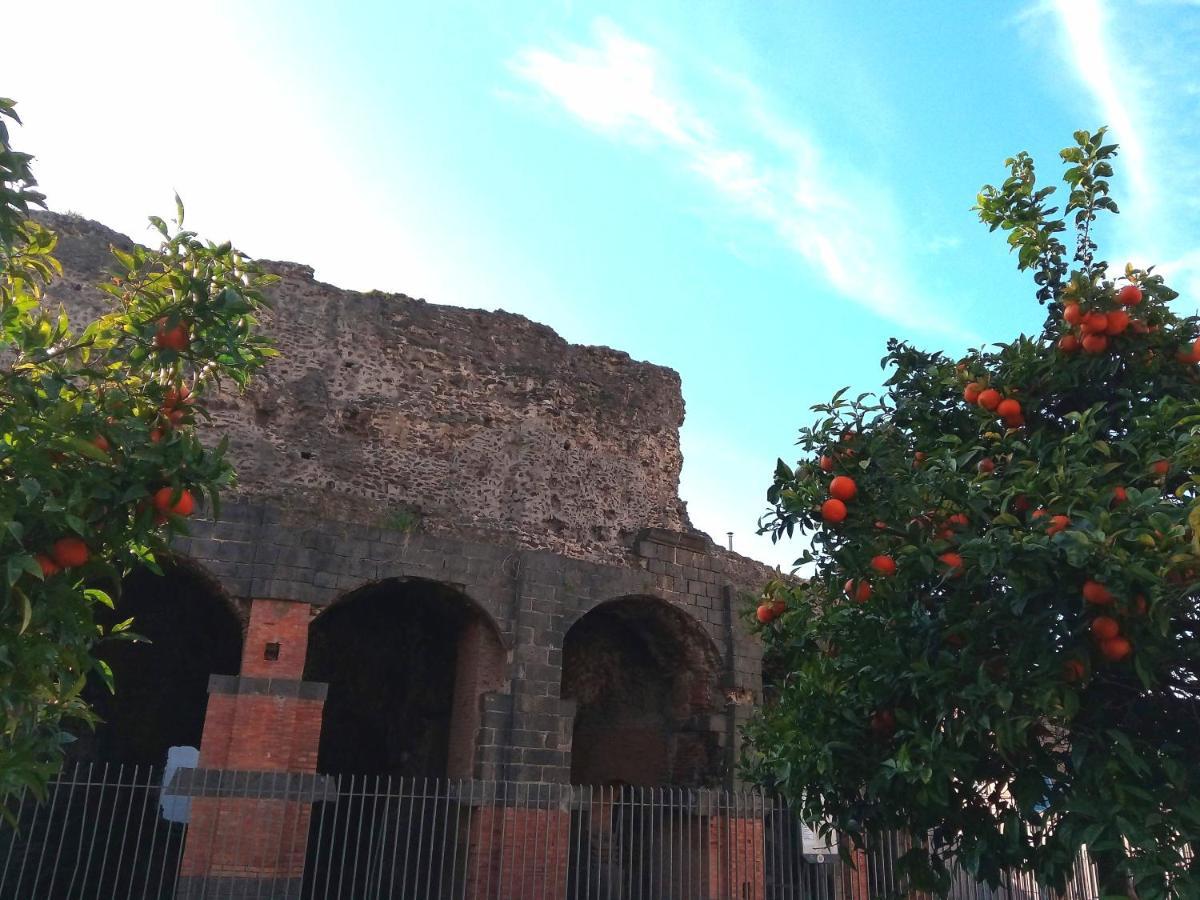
(883, 723)
(1094, 592)
(1095, 343)
(49, 567)
(1118, 321)
(69, 552)
(175, 338)
(181, 507)
(989, 399)
(833, 511)
(1130, 295)
(101, 442)
(883, 564)
(1116, 649)
(918, 459)
(971, 393)
(1161, 467)
(843, 488)
(859, 591)
(986, 466)
(156, 435)
(180, 396)
(1094, 322)
(1119, 495)
(1139, 604)
(954, 561)
(1021, 503)
(764, 613)
(1073, 313)
(778, 607)
(1057, 524)
(959, 520)
(1008, 409)
(1196, 348)
(1073, 670)
(826, 463)
(1105, 628)
(1068, 343)
(880, 525)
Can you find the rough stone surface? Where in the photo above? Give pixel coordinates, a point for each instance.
(380, 404)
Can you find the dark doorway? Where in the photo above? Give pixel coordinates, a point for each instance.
(190, 631)
(644, 677)
(405, 661)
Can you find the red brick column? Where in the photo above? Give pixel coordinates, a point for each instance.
(254, 788)
(857, 884)
(517, 853)
(736, 858)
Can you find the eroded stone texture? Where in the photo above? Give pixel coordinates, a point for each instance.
(476, 421)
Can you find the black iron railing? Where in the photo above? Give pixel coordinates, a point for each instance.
(119, 832)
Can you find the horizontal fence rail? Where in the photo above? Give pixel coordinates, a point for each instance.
(115, 832)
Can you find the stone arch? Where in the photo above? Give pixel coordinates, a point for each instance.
(192, 629)
(406, 661)
(645, 678)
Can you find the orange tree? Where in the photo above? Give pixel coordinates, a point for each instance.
(99, 458)
(997, 650)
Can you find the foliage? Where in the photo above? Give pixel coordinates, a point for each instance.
(94, 424)
(975, 698)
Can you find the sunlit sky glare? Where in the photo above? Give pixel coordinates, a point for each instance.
(757, 195)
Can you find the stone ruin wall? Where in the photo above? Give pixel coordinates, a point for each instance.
(385, 409)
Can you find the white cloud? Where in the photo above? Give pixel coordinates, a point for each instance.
(835, 219)
(1084, 22)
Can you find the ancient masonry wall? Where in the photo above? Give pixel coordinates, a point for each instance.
(382, 408)
(395, 438)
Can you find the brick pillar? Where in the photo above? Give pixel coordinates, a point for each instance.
(856, 882)
(736, 858)
(256, 782)
(517, 852)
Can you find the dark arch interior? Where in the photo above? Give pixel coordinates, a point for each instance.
(393, 655)
(644, 678)
(161, 693)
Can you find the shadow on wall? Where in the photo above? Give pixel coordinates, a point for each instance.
(644, 676)
(406, 661)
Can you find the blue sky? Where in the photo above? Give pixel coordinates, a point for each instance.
(755, 195)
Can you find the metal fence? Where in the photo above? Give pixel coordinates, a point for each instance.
(115, 832)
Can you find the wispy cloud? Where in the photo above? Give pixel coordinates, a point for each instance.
(1085, 24)
(1152, 109)
(839, 222)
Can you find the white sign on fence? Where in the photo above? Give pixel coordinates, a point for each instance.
(815, 848)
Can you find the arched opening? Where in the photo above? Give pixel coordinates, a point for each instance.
(191, 631)
(406, 661)
(644, 677)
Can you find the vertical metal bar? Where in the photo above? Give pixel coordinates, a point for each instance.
(326, 810)
(108, 837)
(582, 820)
(490, 800)
(169, 826)
(132, 790)
(344, 815)
(598, 833)
(386, 819)
(33, 822)
(372, 853)
(396, 829)
(470, 850)
(432, 796)
(541, 835)
(95, 823)
(61, 833)
(12, 843)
